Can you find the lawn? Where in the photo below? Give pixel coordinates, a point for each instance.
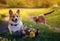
(46, 34)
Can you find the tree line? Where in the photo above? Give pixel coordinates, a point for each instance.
(29, 3)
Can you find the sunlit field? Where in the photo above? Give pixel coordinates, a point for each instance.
(52, 19)
(46, 33)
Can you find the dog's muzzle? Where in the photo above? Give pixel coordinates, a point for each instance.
(14, 20)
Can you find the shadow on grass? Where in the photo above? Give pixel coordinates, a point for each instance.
(3, 23)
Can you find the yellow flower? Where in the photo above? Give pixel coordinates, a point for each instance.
(32, 34)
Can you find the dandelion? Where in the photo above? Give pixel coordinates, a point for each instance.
(32, 33)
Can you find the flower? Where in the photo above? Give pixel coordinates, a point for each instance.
(32, 34)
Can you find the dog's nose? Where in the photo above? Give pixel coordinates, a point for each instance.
(15, 19)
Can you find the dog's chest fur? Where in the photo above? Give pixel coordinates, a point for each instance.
(16, 27)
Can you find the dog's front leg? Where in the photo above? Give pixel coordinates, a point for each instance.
(9, 29)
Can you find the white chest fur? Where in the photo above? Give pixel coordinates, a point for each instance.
(15, 28)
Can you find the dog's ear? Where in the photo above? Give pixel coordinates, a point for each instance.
(18, 11)
(10, 13)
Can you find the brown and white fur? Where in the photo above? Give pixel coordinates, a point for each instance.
(41, 18)
(15, 23)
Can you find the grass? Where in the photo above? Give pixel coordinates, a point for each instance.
(46, 34)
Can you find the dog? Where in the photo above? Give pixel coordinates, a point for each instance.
(41, 18)
(15, 23)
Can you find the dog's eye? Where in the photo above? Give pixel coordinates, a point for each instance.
(13, 16)
(17, 16)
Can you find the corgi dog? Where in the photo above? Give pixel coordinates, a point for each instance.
(41, 18)
(15, 23)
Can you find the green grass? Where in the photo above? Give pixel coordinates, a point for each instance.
(46, 34)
